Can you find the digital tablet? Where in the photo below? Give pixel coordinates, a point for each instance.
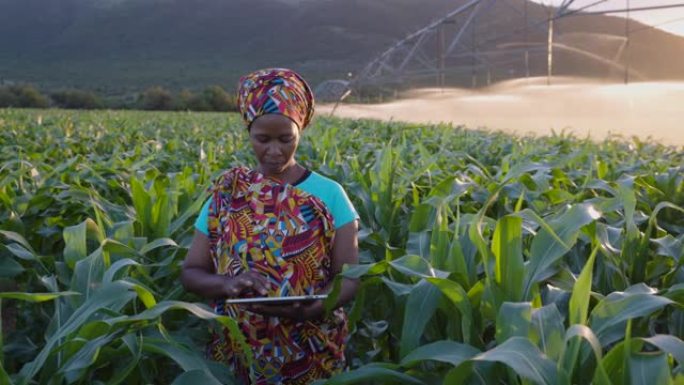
(274, 300)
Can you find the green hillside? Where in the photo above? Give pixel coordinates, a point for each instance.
(123, 46)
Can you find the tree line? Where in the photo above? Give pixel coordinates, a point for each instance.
(212, 98)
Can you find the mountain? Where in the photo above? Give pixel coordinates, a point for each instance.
(123, 46)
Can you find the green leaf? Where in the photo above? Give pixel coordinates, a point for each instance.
(9, 268)
(130, 341)
(579, 300)
(439, 242)
(191, 211)
(16, 237)
(617, 308)
(187, 359)
(459, 298)
(358, 271)
(413, 265)
(476, 237)
(20, 252)
(649, 369)
(523, 168)
(507, 248)
(421, 218)
(116, 266)
(195, 377)
(640, 251)
(36, 297)
(87, 355)
(2, 343)
(514, 320)
(199, 310)
(111, 296)
(163, 208)
(418, 243)
(669, 246)
(668, 344)
(614, 362)
(547, 324)
(550, 244)
(142, 203)
(157, 243)
(449, 352)
(144, 294)
(627, 353)
(458, 265)
(118, 248)
(420, 306)
(676, 293)
(373, 372)
(88, 273)
(4, 377)
(398, 289)
(574, 337)
(75, 240)
(473, 373)
(524, 358)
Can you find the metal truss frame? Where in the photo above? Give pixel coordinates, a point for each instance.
(452, 44)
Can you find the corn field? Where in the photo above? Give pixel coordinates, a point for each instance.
(485, 258)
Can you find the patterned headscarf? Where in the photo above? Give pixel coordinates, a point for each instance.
(275, 91)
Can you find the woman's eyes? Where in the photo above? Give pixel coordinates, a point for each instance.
(283, 139)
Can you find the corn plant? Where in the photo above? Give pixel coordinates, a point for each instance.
(486, 258)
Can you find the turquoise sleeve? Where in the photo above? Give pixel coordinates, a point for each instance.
(343, 210)
(202, 221)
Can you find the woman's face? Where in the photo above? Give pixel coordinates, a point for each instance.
(274, 139)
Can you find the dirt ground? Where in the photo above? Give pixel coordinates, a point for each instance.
(649, 111)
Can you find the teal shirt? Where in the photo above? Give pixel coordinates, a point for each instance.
(325, 189)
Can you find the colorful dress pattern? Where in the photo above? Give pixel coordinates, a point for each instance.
(258, 223)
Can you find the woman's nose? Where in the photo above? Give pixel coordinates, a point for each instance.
(273, 149)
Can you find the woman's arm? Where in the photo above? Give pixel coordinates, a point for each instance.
(199, 276)
(345, 250)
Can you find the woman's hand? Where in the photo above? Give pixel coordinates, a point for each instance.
(199, 275)
(297, 311)
(246, 283)
(345, 250)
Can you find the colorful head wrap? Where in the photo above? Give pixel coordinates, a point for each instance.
(275, 91)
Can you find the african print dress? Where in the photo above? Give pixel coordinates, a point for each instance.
(260, 224)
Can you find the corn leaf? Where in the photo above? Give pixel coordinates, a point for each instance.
(524, 358)
(36, 297)
(548, 246)
(195, 377)
(507, 248)
(449, 352)
(420, 306)
(372, 372)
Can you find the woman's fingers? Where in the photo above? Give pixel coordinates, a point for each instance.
(249, 281)
(257, 282)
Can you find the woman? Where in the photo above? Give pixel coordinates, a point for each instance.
(275, 230)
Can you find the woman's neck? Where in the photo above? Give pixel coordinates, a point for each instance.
(290, 174)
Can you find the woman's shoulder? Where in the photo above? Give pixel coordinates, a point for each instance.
(333, 196)
(323, 183)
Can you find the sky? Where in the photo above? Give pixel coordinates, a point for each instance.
(671, 19)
